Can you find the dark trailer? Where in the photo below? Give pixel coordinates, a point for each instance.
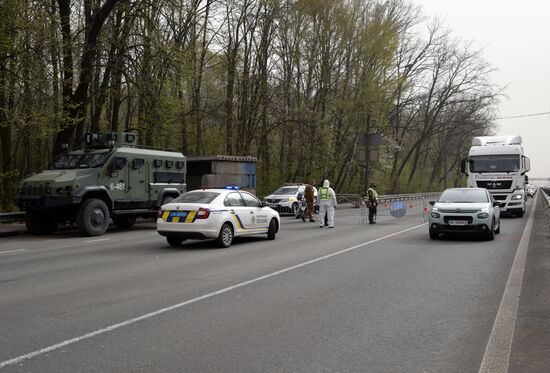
(220, 171)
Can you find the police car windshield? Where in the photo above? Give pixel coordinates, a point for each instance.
(81, 160)
(463, 196)
(196, 197)
(286, 190)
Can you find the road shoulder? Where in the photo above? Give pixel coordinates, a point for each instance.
(531, 344)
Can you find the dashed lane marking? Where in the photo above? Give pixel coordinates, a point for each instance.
(98, 240)
(12, 251)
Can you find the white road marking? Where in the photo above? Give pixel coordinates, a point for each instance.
(499, 346)
(119, 325)
(98, 240)
(12, 251)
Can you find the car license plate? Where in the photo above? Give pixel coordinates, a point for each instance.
(180, 214)
(458, 222)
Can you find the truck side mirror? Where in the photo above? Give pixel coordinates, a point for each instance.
(463, 165)
(527, 164)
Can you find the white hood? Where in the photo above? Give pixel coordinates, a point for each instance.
(326, 183)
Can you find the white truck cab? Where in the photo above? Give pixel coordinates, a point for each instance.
(498, 163)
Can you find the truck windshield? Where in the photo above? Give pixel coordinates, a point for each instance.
(495, 163)
(81, 160)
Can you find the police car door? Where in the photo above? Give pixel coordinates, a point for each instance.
(258, 216)
(239, 212)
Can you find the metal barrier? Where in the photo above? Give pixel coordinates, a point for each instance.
(12, 217)
(398, 205)
(546, 202)
(354, 199)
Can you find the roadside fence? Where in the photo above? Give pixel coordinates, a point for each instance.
(399, 205)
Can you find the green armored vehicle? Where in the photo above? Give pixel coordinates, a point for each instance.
(110, 178)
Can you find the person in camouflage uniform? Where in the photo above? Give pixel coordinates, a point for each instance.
(309, 195)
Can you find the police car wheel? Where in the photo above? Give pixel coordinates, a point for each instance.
(92, 218)
(272, 231)
(225, 238)
(174, 241)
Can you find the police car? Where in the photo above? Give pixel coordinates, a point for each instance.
(219, 214)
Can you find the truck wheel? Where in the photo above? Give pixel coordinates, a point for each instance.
(92, 217)
(39, 224)
(225, 238)
(272, 231)
(124, 221)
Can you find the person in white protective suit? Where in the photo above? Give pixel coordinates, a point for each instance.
(327, 202)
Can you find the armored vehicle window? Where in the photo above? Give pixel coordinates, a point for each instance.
(95, 159)
(180, 164)
(169, 177)
(65, 161)
(233, 199)
(81, 160)
(138, 163)
(157, 162)
(169, 164)
(196, 197)
(250, 200)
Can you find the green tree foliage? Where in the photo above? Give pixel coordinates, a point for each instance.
(294, 82)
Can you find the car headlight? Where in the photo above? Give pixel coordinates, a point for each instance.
(284, 199)
(435, 215)
(482, 215)
(517, 196)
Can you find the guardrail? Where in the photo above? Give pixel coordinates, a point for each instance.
(12, 217)
(400, 204)
(546, 202)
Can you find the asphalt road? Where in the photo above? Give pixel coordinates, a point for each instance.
(357, 298)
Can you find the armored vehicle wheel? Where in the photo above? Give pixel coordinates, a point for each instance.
(166, 200)
(225, 238)
(39, 224)
(124, 221)
(92, 217)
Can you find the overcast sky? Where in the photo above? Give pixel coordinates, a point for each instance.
(516, 40)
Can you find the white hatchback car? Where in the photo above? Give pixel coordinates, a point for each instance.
(219, 214)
